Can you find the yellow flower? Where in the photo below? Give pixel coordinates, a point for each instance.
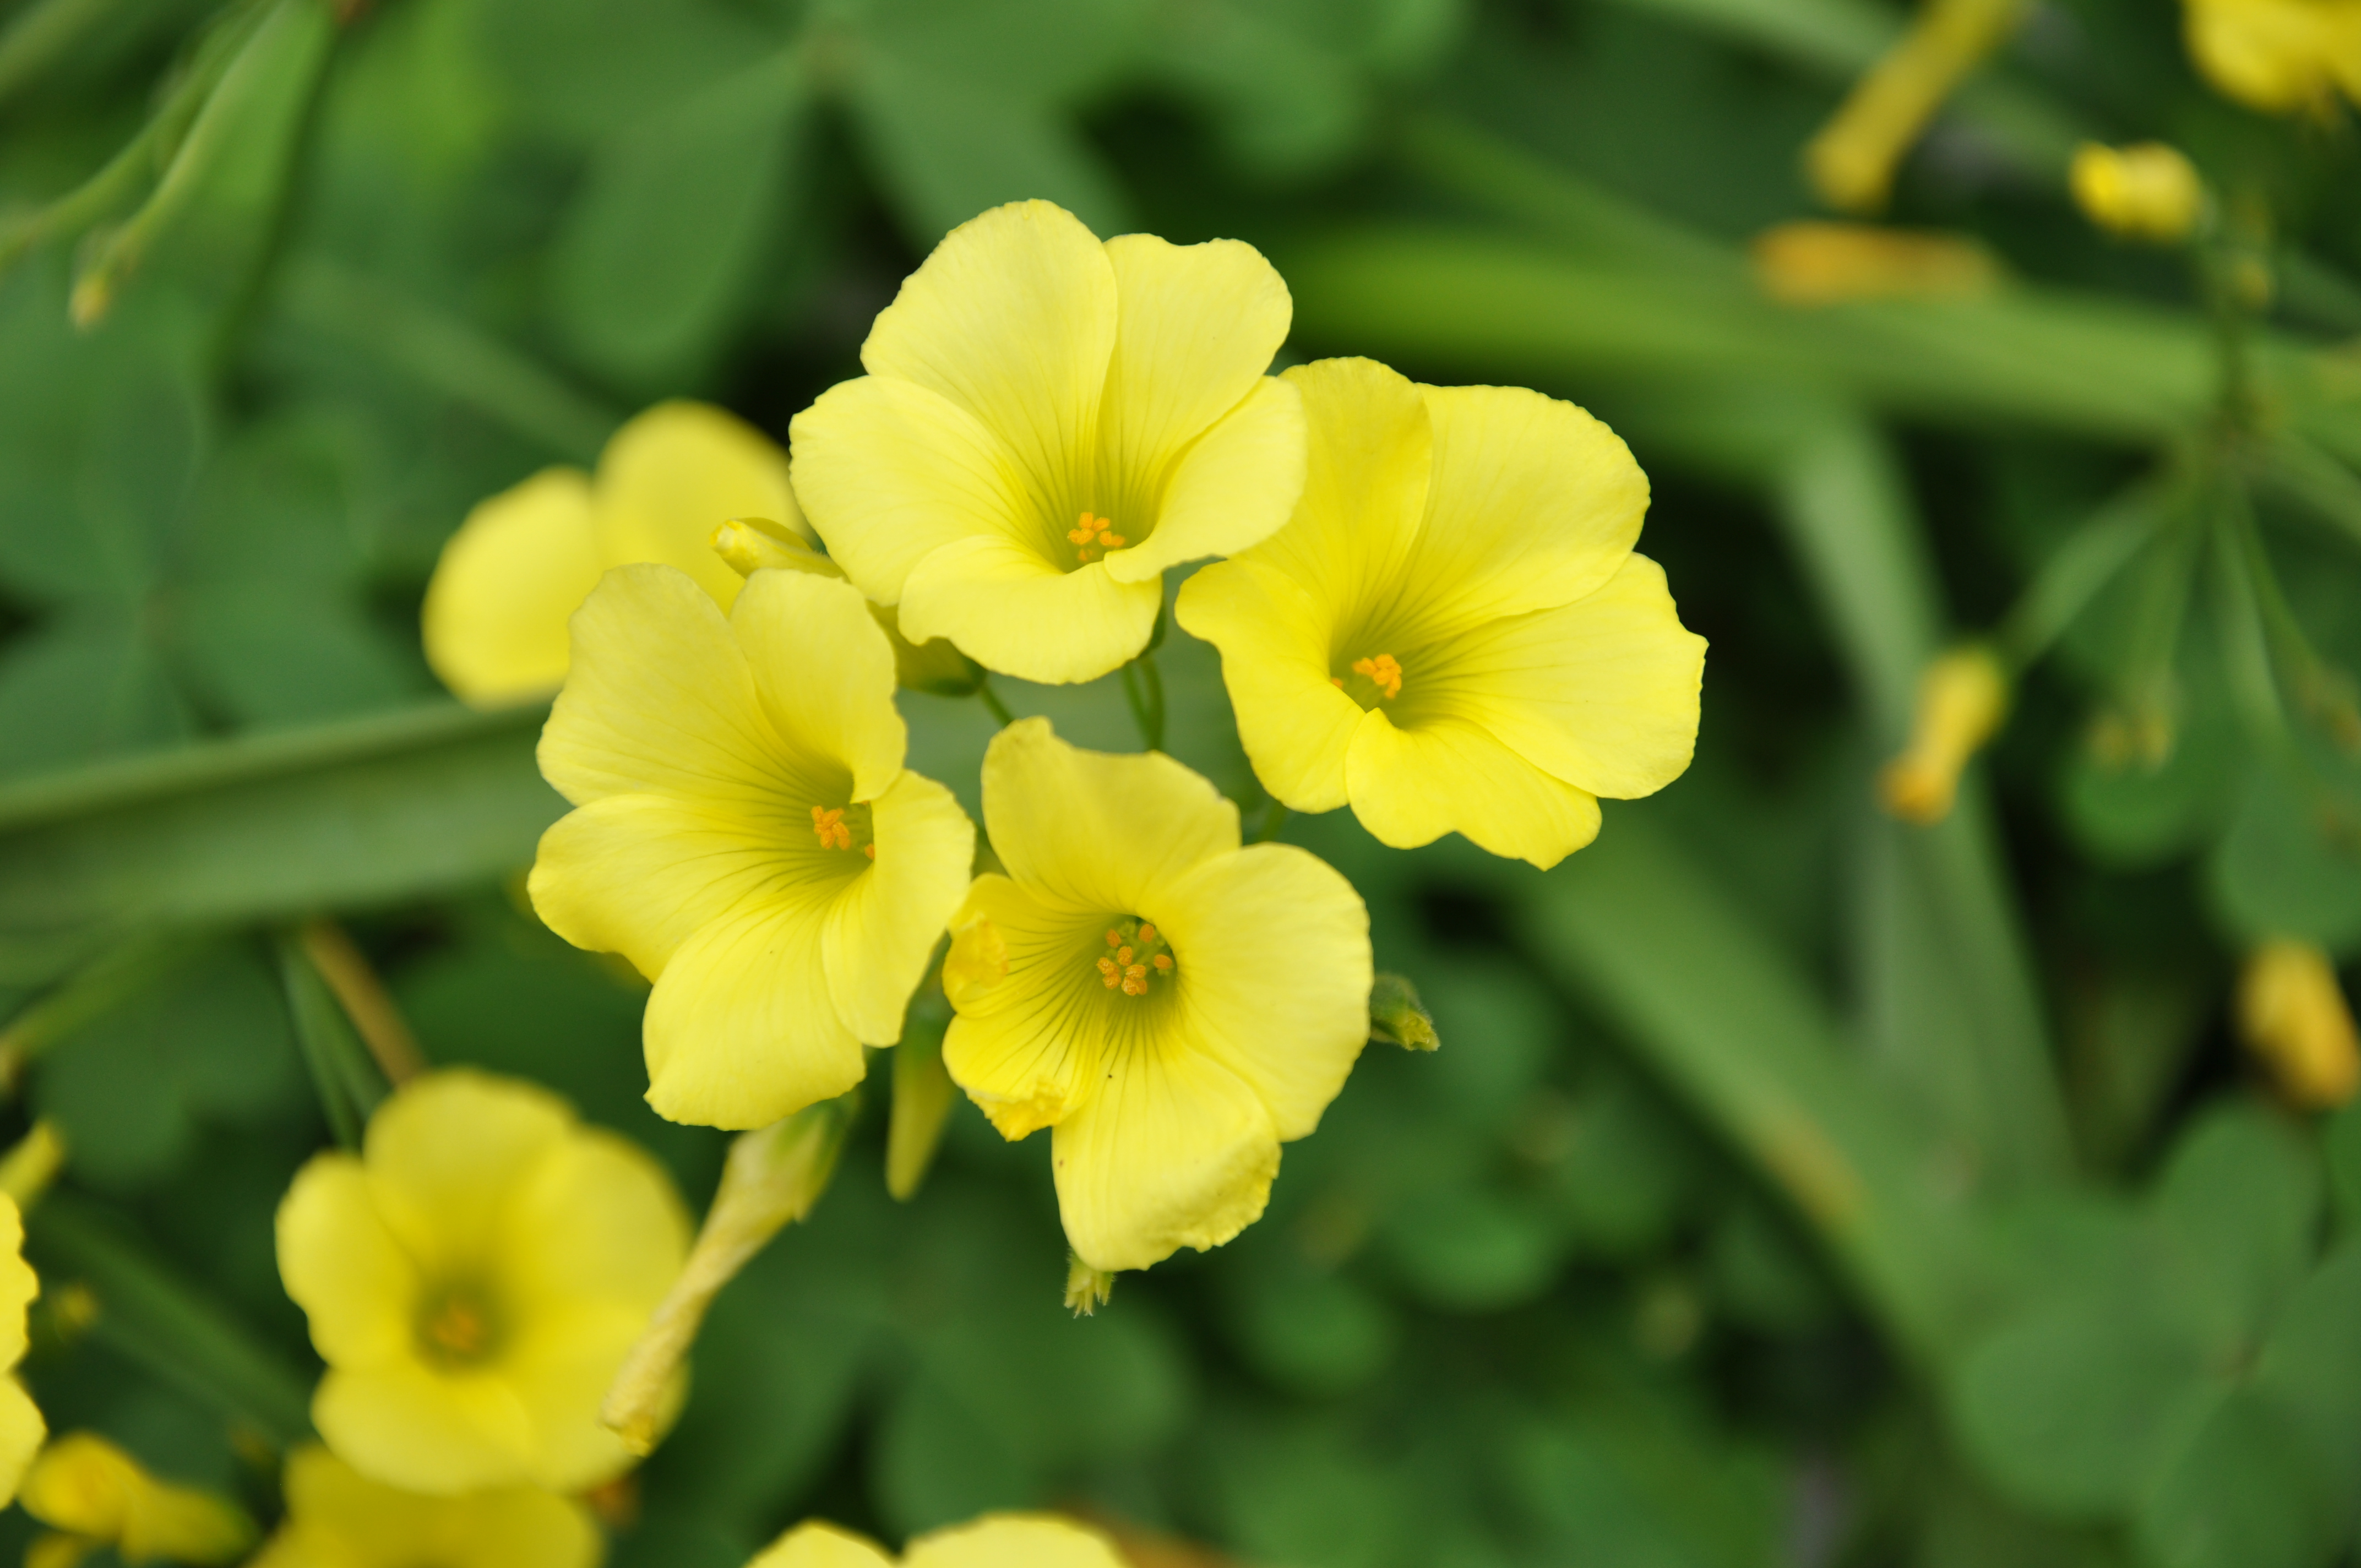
(96, 1494)
(1453, 631)
(2147, 191)
(21, 1427)
(496, 611)
(1047, 424)
(1812, 263)
(473, 1281)
(745, 835)
(2277, 56)
(337, 1518)
(997, 1541)
(1851, 161)
(1174, 1005)
(2294, 1016)
(1962, 698)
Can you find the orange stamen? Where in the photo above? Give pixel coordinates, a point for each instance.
(1384, 674)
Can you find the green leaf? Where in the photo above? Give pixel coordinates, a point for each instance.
(2290, 864)
(210, 1046)
(1471, 1248)
(366, 812)
(673, 219)
(948, 146)
(2310, 1372)
(2239, 1496)
(2128, 814)
(85, 686)
(2240, 1198)
(1630, 1169)
(1309, 1329)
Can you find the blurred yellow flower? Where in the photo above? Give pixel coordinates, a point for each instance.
(1175, 1006)
(337, 1518)
(1047, 424)
(1815, 263)
(1851, 161)
(2278, 56)
(2147, 190)
(21, 1427)
(997, 1541)
(1962, 698)
(473, 1281)
(497, 608)
(1453, 631)
(95, 1495)
(2293, 1014)
(745, 834)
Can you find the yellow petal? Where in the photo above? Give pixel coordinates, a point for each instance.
(1003, 1540)
(817, 1545)
(1232, 489)
(597, 1222)
(443, 1153)
(494, 620)
(343, 1266)
(1013, 319)
(21, 1431)
(1369, 449)
(1197, 328)
(1004, 606)
(1172, 1149)
(882, 927)
(824, 671)
(1013, 1047)
(892, 472)
(18, 1284)
(659, 700)
(740, 1030)
(559, 1371)
(1273, 948)
(1533, 504)
(1411, 786)
(409, 1427)
(640, 875)
(1296, 726)
(1603, 692)
(673, 474)
(339, 1518)
(1095, 830)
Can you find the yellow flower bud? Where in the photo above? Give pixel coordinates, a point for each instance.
(27, 1170)
(752, 543)
(92, 1492)
(774, 1175)
(1398, 1017)
(1813, 263)
(2294, 1016)
(2143, 192)
(1851, 161)
(922, 1104)
(1962, 698)
(2278, 56)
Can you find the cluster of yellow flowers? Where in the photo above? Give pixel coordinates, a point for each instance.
(1430, 609)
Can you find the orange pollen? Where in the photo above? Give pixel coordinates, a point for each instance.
(869, 851)
(1162, 961)
(833, 834)
(1146, 932)
(1114, 938)
(1140, 956)
(1093, 532)
(1384, 674)
(1123, 955)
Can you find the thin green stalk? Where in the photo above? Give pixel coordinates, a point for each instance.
(348, 1084)
(991, 700)
(2076, 571)
(1152, 684)
(42, 33)
(149, 1315)
(2245, 651)
(2300, 670)
(2146, 685)
(1274, 818)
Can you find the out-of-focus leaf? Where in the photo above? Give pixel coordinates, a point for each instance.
(2240, 1198)
(1762, 1277)
(1295, 1491)
(87, 685)
(1648, 1499)
(1309, 1329)
(671, 218)
(2340, 1144)
(949, 146)
(130, 1091)
(1500, 1030)
(1715, 1008)
(358, 813)
(2129, 814)
(1471, 1248)
(2290, 863)
(1628, 1168)
(2238, 1495)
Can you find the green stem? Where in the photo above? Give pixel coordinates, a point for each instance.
(1152, 685)
(2245, 651)
(991, 700)
(1273, 820)
(347, 1081)
(2090, 558)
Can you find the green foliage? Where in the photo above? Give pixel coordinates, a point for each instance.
(1790, 1185)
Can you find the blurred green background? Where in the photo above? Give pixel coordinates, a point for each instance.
(1793, 1186)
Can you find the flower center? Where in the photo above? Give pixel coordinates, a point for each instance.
(844, 828)
(1136, 957)
(1092, 537)
(1377, 678)
(457, 1327)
